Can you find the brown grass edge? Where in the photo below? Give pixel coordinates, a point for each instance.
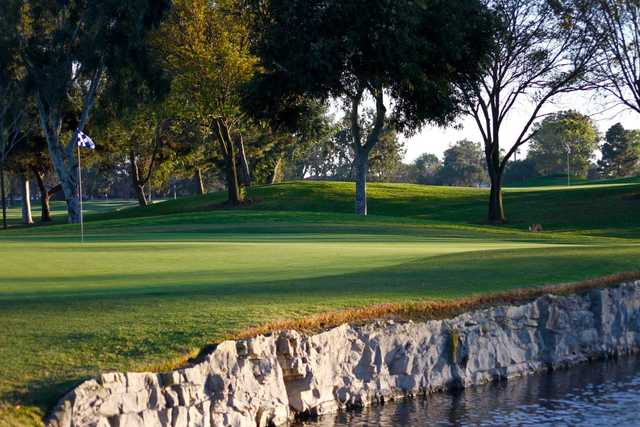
(430, 309)
(423, 310)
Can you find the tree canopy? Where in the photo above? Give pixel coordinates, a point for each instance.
(540, 50)
(620, 152)
(463, 165)
(206, 47)
(401, 56)
(615, 24)
(566, 132)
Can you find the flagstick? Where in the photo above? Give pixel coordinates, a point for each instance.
(80, 196)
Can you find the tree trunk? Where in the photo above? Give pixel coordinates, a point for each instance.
(138, 185)
(26, 201)
(245, 173)
(277, 173)
(140, 195)
(361, 160)
(45, 215)
(201, 191)
(231, 171)
(496, 208)
(233, 187)
(4, 198)
(361, 167)
(64, 160)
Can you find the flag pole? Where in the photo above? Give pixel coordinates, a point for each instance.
(80, 193)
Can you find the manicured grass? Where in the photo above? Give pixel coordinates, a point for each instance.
(59, 209)
(561, 181)
(600, 208)
(153, 284)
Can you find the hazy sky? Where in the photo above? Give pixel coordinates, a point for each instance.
(437, 140)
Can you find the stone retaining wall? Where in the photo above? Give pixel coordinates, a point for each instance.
(267, 380)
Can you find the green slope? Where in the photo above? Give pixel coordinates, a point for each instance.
(600, 208)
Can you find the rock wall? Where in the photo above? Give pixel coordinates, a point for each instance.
(266, 380)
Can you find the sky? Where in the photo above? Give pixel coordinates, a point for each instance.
(436, 140)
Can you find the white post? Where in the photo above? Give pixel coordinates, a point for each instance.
(80, 194)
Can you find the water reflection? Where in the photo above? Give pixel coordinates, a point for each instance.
(596, 394)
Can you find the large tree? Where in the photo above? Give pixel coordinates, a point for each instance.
(540, 50)
(620, 152)
(616, 25)
(563, 142)
(75, 47)
(399, 56)
(13, 97)
(205, 45)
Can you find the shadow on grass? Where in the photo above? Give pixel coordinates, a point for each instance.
(103, 322)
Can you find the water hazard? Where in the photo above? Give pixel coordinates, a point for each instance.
(596, 394)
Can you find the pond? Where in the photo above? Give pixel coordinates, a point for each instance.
(595, 394)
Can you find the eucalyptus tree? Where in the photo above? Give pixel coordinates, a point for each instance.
(402, 57)
(541, 49)
(74, 48)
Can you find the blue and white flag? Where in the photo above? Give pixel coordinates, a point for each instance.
(84, 141)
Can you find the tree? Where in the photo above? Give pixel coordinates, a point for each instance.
(620, 152)
(330, 154)
(338, 158)
(401, 56)
(561, 134)
(616, 25)
(520, 171)
(540, 51)
(30, 158)
(312, 139)
(426, 168)
(13, 97)
(205, 45)
(72, 48)
(146, 136)
(463, 165)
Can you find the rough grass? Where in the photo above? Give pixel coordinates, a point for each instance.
(153, 285)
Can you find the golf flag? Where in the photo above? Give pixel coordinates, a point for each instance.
(85, 142)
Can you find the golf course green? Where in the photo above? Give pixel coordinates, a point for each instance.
(150, 285)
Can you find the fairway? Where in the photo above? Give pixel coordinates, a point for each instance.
(152, 285)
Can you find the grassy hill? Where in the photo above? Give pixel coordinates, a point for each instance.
(605, 208)
(153, 284)
(561, 181)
